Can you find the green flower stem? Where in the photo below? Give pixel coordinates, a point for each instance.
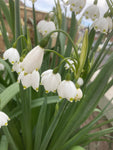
(59, 30)
(35, 30)
(25, 19)
(64, 59)
(17, 24)
(26, 117)
(21, 36)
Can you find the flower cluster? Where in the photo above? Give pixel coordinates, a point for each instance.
(76, 5)
(45, 27)
(65, 89)
(3, 119)
(29, 76)
(101, 24)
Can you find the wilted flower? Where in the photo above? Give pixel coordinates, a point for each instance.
(80, 81)
(110, 24)
(45, 27)
(50, 80)
(33, 60)
(1, 67)
(101, 25)
(76, 5)
(79, 95)
(3, 119)
(92, 12)
(12, 55)
(67, 90)
(31, 79)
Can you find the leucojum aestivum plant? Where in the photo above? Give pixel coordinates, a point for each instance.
(47, 91)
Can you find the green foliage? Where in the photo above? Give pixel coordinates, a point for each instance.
(56, 123)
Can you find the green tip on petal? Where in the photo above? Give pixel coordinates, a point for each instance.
(47, 91)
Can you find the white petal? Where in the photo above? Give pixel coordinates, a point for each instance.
(35, 80)
(3, 119)
(16, 67)
(33, 60)
(110, 24)
(79, 94)
(25, 79)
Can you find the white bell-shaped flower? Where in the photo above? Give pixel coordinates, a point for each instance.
(76, 5)
(71, 62)
(51, 14)
(16, 67)
(33, 60)
(41, 25)
(50, 80)
(110, 23)
(1, 67)
(45, 27)
(67, 90)
(101, 25)
(80, 81)
(3, 119)
(31, 79)
(12, 55)
(92, 12)
(79, 95)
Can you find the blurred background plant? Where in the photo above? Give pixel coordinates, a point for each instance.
(39, 120)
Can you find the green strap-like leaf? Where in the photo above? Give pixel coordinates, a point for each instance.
(3, 143)
(6, 12)
(4, 32)
(8, 68)
(40, 125)
(8, 94)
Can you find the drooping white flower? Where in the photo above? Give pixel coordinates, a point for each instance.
(80, 81)
(67, 90)
(79, 95)
(110, 23)
(45, 27)
(101, 25)
(1, 67)
(33, 60)
(71, 62)
(51, 14)
(12, 55)
(76, 5)
(3, 119)
(16, 67)
(92, 12)
(50, 80)
(31, 79)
